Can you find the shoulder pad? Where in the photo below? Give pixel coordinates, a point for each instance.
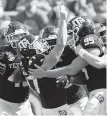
(91, 41)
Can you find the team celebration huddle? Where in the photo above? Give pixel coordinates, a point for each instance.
(66, 66)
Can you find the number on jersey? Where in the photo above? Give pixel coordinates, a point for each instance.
(88, 41)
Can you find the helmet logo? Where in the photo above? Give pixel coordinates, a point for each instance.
(78, 22)
(23, 43)
(73, 28)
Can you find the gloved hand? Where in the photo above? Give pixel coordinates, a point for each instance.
(62, 81)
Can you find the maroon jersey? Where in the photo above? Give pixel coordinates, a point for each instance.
(97, 77)
(52, 96)
(13, 86)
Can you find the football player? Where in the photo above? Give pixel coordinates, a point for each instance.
(14, 89)
(53, 99)
(83, 31)
(75, 94)
(98, 62)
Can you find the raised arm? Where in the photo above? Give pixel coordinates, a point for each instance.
(89, 42)
(51, 59)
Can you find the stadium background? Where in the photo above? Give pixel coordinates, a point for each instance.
(36, 14)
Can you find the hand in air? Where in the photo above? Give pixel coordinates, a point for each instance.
(63, 11)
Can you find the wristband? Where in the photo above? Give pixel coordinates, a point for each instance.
(82, 52)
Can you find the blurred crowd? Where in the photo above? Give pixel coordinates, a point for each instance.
(36, 14)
